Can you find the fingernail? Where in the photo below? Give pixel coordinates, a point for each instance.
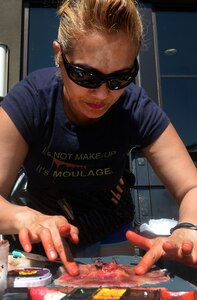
(53, 255)
(27, 248)
(76, 237)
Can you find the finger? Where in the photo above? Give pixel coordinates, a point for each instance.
(182, 254)
(138, 240)
(58, 246)
(24, 239)
(147, 261)
(67, 258)
(187, 248)
(63, 249)
(170, 248)
(173, 249)
(47, 242)
(65, 230)
(119, 189)
(72, 233)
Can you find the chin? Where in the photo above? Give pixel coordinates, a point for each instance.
(95, 115)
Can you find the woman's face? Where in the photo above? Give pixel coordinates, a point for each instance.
(105, 53)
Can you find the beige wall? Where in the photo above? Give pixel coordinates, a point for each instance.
(10, 34)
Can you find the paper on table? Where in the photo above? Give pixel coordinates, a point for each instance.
(158, 226)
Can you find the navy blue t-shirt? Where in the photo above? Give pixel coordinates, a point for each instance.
(79, 158)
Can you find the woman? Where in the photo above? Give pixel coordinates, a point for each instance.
(71, 130)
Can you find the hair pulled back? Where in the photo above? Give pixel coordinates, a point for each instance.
(81, 16)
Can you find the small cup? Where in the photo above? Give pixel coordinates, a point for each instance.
(4, 251)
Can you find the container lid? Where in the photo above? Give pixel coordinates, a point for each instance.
(29, 277)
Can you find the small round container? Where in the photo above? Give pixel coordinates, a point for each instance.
(4, 251)
(29, 277)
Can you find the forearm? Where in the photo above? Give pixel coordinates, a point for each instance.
(188, 207)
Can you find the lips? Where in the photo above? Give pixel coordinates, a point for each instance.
(96, 105)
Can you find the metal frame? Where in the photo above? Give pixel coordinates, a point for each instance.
(45, 3)
(25, 32)
(148, 57)
(6, 70)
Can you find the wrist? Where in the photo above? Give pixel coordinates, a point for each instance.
(184, 225)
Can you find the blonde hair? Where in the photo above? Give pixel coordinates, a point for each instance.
(82, 16)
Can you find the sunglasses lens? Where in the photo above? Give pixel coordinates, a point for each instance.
(88, 80)
(82, 77)
(121, 81)
(124, 79)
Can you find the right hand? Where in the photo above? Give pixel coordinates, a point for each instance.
(51, 231)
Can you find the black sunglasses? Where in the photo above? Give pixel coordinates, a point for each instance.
(92, 79)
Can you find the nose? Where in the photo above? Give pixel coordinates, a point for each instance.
(101, 92)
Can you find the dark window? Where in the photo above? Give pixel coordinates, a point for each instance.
(177, 48)
(43, 24)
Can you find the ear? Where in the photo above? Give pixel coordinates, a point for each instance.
(56, 48)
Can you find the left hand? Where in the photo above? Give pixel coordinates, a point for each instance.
(179, 246)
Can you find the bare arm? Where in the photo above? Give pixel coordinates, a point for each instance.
(31, 225)
(171, 161)
(13, 151)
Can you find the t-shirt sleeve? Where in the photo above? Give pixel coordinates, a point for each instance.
(27, 107)
(148, 118)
